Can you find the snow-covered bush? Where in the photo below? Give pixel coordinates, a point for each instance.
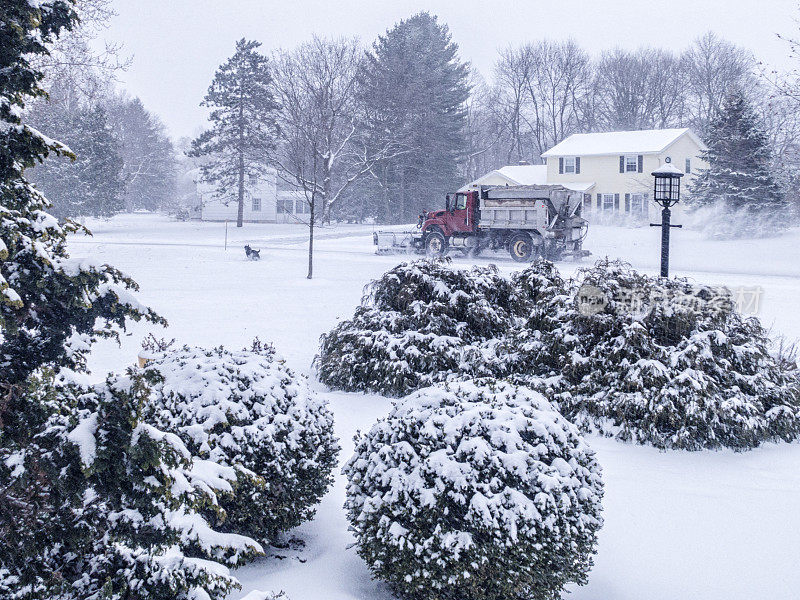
(420, 323)
(101, 504)
(246, 410)
(659, 361)
(475, 490)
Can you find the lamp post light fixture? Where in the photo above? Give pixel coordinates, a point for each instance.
(666, 193)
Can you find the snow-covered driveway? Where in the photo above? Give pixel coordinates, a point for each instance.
(707, 525)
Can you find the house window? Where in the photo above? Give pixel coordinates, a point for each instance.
(631, 164)
(569, 164)
(284, 206)
(256, 204)
(688, 168)
(638, 204)
(253, 179)
(608, 201)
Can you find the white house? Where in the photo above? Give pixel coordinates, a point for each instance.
(618, 165)
(264, 202)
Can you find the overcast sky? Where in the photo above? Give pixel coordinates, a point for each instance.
(176, 45)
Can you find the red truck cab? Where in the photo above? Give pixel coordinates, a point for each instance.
(459, 215)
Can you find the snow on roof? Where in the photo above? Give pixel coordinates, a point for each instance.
(647, 141)
(526, 174)
(511, 175)
(578, 186)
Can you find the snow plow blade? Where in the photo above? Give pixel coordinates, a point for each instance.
(397, 242)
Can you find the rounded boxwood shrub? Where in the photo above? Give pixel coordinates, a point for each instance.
(420, 323)
(659, 361)
(249, 411)
(475, 490)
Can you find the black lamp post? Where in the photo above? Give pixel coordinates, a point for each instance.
(667, 192)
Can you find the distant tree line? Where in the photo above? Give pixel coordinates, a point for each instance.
(124, 158)
(384, 132)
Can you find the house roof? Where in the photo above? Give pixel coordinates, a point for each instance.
(525, 174)
(647, 141)
(512, 175)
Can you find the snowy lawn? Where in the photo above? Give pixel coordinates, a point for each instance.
(710, 525)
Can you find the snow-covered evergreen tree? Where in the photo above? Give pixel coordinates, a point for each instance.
(101, 504)
(150, 166)
(422, 322)
(475, 490)
(249, 412)
(414, 89)
(51, 307)
(244, 129)
(90, 183)
(94, 503)
(738, 195)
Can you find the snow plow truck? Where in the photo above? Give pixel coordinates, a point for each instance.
(528, 222)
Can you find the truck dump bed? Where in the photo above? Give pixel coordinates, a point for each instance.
(525, 206)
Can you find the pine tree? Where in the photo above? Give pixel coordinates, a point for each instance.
(738, 186)
(91, 182)
(77, 470)
(149, 169)
(243, 120)
(414, 88)
(51, 307)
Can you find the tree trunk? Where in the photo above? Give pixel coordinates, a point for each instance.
(326, 191)
(240, 212)
(404, 200)
(311, 239)
(387, 214)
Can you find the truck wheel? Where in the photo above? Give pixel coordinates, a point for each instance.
(521, 247)
(435, 244)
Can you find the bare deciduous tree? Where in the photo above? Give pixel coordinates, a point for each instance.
(557, 88)
(712, 67)
(322, 151)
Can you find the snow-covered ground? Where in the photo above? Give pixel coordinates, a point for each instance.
(706, 525)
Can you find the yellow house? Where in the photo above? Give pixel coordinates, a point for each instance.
(616, 167)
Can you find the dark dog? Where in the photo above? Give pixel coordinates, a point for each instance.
(252, 254)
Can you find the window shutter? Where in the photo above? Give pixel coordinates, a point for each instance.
(577, 164)
(640, 160)
(599, 201)
(616, 201)
(561, 164)
(621, 164)
(688, 168)
(627, 203)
